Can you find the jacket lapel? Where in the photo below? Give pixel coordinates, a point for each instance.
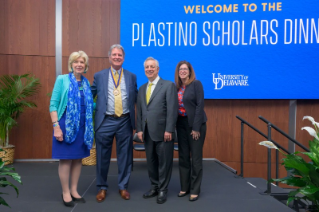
(127, 83)
(106, 82)
(143, 90)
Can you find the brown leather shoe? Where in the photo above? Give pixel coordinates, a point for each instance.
(100, 197)
(124, 194)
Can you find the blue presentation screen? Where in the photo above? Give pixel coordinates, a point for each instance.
(239, 49)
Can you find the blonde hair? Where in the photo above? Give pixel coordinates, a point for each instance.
(192, 77)
(76, 55)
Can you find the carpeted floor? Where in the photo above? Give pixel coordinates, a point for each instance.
(220, 192)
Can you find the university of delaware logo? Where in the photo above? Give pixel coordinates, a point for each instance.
(229, 80)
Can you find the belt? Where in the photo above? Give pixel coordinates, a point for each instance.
(115, 116)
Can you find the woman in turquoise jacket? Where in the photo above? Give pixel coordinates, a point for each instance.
(71, 109)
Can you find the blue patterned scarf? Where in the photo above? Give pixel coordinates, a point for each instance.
(73, 111)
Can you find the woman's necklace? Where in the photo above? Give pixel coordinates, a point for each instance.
(81, 87)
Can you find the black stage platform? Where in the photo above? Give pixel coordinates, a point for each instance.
(221, 192)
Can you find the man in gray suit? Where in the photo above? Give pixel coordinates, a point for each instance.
(157, 107)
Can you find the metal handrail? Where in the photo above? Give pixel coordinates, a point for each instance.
(262, 134)
(268, 191)
(269, 125)
(283, 133)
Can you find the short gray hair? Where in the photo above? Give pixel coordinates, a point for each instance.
(151, 58)
(118, 46)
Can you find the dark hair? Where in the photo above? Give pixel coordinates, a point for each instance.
(178, 80)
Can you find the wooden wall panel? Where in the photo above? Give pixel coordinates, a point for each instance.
(33, 135)
(3, 66)
(3, 27)
(255, 160)
(29, 27)
(91, 26)
(224, 129)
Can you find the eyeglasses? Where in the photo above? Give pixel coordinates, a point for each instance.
(183, 69)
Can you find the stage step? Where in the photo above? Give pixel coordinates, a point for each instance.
(281, 194)
(261, 184)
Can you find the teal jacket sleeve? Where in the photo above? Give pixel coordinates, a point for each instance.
(56, 94)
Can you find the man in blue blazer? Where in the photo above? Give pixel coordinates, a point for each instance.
(157, 107)
(116, 92)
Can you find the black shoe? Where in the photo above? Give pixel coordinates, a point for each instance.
(162, 196)
(68, 204)
(150, 193)
(183, 194)
(78, 199)
(192, 199)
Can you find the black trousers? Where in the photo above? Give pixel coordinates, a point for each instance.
(190, 156)
(159, 155)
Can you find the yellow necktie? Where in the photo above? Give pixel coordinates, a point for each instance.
(118, 98)
(148, 92)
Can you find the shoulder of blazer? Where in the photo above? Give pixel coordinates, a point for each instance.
(142, 86)
(63, 84)
(128, 73)
(195, 83)
(102, 71)
(192, 87)
(164, 81)
(65, 79)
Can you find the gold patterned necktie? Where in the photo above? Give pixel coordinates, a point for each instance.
(148, 92)
(118, 108)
